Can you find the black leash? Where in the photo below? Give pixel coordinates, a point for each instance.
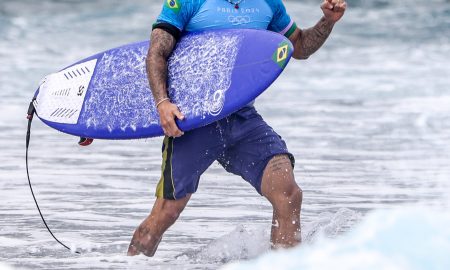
(31, 111)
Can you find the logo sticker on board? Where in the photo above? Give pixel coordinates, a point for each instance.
(281, 54)
(217, 102)
(174, 5)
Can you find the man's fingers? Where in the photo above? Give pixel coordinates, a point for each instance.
(170, 125)
(173, 130)
(340, 7)
(179, 115)
(176, 131)
(168, 112)
(170, 129)
(327, 5)
(335, 5)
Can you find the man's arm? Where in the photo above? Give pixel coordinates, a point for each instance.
(162, 45)
(308, 41)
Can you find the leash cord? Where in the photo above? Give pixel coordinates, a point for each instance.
(31, 111)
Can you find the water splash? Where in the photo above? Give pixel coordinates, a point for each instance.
(405, 238)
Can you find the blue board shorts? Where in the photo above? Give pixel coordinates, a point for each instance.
(242, 143)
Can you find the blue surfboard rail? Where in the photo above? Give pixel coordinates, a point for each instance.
(211, 75)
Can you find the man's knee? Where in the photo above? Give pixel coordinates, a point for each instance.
(295, 196)
(168, 211)
(169, 215)
(289, 199)
(292, 193)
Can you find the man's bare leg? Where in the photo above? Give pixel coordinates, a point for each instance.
(279, 187)
(148, 235)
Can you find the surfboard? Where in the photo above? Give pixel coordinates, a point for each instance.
(211, 74)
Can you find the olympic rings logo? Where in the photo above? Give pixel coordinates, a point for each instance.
(236, 20)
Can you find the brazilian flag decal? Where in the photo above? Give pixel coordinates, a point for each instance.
(281, 54)
(174, 5)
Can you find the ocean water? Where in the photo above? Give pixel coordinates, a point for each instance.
(367, 117)
(406, 238)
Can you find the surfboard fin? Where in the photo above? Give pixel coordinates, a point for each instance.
(85, 141)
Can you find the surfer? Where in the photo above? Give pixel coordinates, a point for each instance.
(242, 143)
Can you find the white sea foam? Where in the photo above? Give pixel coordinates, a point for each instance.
(406, 238)
(5, 267)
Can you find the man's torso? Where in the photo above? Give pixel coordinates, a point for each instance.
(196, 15)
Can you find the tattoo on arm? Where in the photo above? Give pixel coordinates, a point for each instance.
(311, 39)
(162, 44)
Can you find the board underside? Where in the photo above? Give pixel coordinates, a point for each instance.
(211, 74)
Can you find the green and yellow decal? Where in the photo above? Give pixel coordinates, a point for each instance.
(174, 5)
(280, 56)
(166, 186)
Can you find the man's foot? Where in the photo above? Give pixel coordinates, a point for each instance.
(133, 251)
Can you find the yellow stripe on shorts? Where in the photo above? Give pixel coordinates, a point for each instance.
(166, 187)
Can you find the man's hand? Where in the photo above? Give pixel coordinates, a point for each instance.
(333, 10)
(308, 41)
(167, 113)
